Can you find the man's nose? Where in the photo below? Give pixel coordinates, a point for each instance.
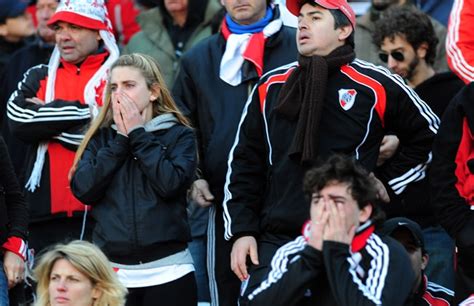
(63, 35)
(391, 63)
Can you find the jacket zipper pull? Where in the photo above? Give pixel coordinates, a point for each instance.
(78, 70)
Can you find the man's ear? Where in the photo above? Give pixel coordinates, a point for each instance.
(3, 29)
(365, 213)
(422, 50)
(344, 32)
(425, 258)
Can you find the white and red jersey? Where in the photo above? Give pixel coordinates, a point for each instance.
(460, 41)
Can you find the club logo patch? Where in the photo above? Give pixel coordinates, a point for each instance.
(347, 98)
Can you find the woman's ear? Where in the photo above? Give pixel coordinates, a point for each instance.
(96, 292)
(155, 92)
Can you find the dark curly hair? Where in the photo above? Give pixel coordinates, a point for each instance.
(409, 22)
(343, 169)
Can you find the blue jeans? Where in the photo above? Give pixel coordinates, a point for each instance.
(3, 286)
(197, 247)
(440, 248)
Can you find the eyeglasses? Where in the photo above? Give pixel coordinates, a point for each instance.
(396, 55)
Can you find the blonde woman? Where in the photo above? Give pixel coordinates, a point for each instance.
(77, 273)
(134, 166)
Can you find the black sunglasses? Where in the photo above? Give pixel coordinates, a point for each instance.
(397, 55)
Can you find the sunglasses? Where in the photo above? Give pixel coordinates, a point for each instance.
(396, 55)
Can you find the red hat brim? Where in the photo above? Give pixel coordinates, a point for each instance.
(294, 7)
(80, 20)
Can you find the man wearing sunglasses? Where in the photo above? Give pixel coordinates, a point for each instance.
(407, 43)
(298, 114)
(368, 51)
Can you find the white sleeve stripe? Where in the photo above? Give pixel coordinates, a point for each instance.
(46, 111)
(422, 107)
(454, 52)
(439, 288)
(279, 264)
(409, 173)
(414, 174)
(74, 142)
(227, 194)
(417, 101)
(413, 178)
(78, 136)
(47, 119)
(379, 267)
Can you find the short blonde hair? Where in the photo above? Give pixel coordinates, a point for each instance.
(87, 259)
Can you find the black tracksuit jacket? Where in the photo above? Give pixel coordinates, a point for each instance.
(372, 271)
(263, 191)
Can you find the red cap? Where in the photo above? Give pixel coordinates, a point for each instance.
(77, 19)
(294, 7)
(90, 14)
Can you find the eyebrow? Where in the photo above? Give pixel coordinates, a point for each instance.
(311, 13)
(331, 196)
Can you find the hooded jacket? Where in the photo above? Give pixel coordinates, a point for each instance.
(137, 187)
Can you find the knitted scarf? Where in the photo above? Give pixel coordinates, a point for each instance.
(302, 98)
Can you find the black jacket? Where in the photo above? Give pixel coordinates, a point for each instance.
(373, 271)
(13, 211)
(415, 201)
(264, 190)
(35, 53)
(453, 196)
(137, 187)
(452, 183)
(214, 106)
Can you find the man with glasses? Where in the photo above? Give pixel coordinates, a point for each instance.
(407, 43)
(367, 50)
(298, 114)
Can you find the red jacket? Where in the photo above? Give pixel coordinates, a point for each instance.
(460, 41)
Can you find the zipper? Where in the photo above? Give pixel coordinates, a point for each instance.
(134, 216)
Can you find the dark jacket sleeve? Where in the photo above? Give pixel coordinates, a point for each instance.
(415, 124)
(16, 214)
(102, 157)
(168, 168)
(33, 122)
(246, 174)
(295, 267)
(453, 211)
(186, 96)
(390, 274)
